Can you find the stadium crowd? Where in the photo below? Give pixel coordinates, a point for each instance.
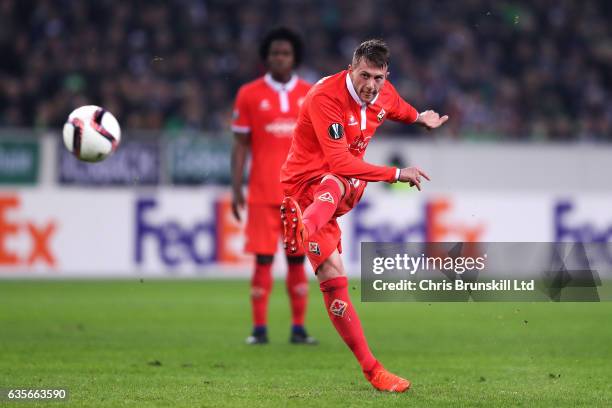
(537, 70)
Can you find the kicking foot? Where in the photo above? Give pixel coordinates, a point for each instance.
(293, 228)
(383, 380)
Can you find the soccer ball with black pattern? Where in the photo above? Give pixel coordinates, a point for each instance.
(91, 133)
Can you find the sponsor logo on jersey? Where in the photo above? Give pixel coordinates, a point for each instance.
(314, 248)
(281, 127)
(264, 105)
(336, 131)
(338, 307)
(326, 197)
(381, 115)
(359, 145)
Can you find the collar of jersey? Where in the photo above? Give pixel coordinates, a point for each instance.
(353, 92)
(279, 86)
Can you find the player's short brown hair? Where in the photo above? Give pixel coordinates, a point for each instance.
(375, 51)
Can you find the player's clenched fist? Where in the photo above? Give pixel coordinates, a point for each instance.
(413, 176)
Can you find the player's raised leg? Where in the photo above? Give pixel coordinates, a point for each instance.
(334, 285)
(261, 286)
(297, 289)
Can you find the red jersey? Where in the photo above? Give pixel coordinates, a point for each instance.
(334, 129)
(268, 110)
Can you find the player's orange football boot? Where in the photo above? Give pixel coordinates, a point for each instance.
(383, 380)
(293, 228)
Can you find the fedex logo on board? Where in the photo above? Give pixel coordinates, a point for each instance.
(578, 231)
(570, 226)
(433, 224)
(22, 241)
(201, 242)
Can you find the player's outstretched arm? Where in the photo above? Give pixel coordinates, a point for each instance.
(240, 151)
(431, 119)
(413, 176)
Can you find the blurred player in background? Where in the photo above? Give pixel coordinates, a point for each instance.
(265, 115)
(325, 175)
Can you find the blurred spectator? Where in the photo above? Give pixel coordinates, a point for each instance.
(525, 70)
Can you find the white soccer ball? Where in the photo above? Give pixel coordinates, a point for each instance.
(91, 133)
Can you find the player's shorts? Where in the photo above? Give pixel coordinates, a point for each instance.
(263, 229)
(321, 245)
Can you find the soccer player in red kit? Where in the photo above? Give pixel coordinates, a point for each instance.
(265, 114)
(325, 175)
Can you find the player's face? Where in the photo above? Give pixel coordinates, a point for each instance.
(280, 58)
(367, 79)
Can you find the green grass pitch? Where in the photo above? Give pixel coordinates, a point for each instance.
(181, 343)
